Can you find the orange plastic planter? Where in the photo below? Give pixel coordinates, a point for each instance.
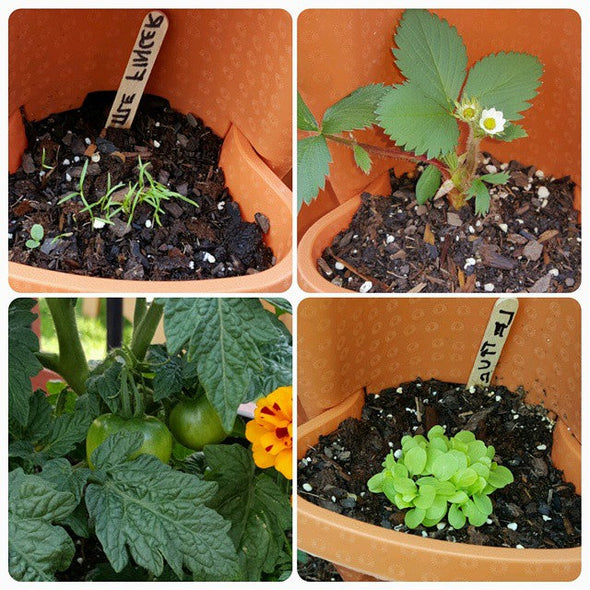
(347, 344)
(232, 68)
(362, 40)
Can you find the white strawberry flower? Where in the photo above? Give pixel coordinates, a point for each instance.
(492, 121)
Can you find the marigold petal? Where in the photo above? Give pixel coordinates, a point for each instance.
(261, 458)
(284, 464)
(254, 431)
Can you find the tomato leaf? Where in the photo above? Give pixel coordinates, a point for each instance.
(37, 547)
(22, 362)
(145, 510)
(259, 511)
(239, 348)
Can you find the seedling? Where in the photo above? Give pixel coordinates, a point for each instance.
(438, 476)
(46, 169)
(146, 190)
(424, 115)
(37, 233)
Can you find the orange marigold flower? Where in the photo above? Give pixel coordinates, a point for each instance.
(271, 431)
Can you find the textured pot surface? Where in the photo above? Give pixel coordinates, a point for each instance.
(362, 39)
(348, 344)
(213, 63)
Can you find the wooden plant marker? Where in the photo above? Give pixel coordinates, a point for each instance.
(493, 341)
(139, 67)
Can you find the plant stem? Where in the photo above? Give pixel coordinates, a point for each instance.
(71, 362)
(472, 154)
(144, 332)
(389, 152)
(139, 312)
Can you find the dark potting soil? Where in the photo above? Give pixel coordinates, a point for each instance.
(208, 241)
(538, 510)
(315, 569)
(528, 242)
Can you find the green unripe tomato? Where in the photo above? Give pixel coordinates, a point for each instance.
(157, 439)
(195, 423)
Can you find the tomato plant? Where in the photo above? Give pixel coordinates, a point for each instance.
(91, 467)
(195, 423)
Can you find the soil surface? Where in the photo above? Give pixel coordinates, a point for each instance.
(210, 240)
(315, 569)
(538, 510)
(528, 242)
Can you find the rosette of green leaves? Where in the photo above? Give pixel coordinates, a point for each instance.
(440, 476)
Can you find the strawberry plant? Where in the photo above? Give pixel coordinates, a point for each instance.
(437, 117)
(98, 487)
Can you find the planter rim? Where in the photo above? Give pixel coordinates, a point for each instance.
(29, 279)
(322, 232)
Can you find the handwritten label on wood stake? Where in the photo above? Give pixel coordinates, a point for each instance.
(493, 341)
(138, 70)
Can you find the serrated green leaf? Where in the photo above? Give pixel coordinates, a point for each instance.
(505, 81)
(169, 373)
(354, 111)
(362, 158)
(36, 547)
(431, 54)
(259, 511)
(67, 431)
(496, 178)
(427, 184)
(305, 119)
(417, 123)
(482, 196)
(155, 515)
(313, 165)
(511, 132)
(22, 362)
(231, 343)
(179, 322)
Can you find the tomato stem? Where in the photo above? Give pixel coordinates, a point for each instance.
(145, 330)
(71, 362)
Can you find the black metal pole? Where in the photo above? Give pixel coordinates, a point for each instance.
(114, 322)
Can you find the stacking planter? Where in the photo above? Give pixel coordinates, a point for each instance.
(350, 346)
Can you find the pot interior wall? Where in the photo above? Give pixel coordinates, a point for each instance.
(362, 39)
(225, 66)
(347, 344)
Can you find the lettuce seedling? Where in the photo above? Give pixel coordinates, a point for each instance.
(438, 476)
(424, 115)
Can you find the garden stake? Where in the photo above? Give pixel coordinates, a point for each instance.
(139, 67)
(493, 341)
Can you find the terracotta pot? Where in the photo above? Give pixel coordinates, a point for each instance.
(347, 344)
(362, 40)
(213, 63)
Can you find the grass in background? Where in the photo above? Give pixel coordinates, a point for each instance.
(93, 331)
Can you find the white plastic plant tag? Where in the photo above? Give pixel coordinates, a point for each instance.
(138, 70)
(493, 341)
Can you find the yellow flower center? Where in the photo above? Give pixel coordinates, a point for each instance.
(469, 112)
(489, 123)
